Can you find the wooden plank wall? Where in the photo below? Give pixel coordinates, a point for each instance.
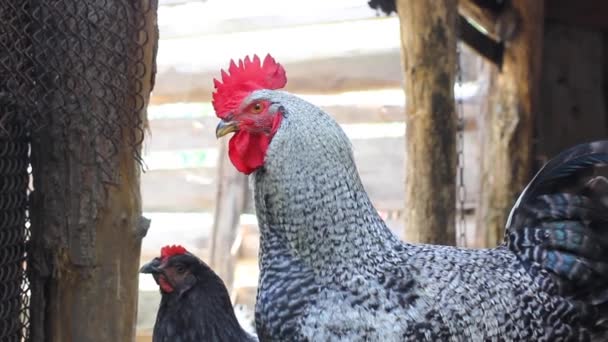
(191, 142)
(574, 106)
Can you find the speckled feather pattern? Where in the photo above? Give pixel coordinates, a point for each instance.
(332, 271)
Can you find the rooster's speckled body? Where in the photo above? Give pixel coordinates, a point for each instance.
(331, 270)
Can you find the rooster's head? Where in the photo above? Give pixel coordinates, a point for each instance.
(243, 100)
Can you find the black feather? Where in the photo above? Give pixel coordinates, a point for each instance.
(203, 312)
(560, 222)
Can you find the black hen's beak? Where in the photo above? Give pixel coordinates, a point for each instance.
(225, 127)
(152, 267)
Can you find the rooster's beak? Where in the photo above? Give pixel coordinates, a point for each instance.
(152, 267)
(225, 127)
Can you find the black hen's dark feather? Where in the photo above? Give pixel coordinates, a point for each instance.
(202, 313)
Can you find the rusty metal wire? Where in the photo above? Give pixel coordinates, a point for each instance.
(65, 64)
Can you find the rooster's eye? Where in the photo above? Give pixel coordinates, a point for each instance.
(180, 269)
(257, 108)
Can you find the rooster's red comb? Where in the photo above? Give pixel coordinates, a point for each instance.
(240, 80)
(169, 251)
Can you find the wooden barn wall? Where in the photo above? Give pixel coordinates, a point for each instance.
(605, 84)
(574, 92)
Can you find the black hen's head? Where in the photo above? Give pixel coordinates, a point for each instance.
(176, 271)
(195, 303)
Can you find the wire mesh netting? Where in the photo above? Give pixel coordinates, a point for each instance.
(70, 65)
(69, 61)
(14, 161)
(14, 176)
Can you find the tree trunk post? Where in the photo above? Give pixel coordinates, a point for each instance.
(428, 45)
(86, 208)
(506, 130)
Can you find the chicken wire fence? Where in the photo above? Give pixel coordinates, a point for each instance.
(14, 286)
(62, 63)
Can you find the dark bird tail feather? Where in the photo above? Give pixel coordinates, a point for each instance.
(560, 223)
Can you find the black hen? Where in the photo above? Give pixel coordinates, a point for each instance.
(195, 304)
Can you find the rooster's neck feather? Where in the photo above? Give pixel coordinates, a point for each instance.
(309, 197)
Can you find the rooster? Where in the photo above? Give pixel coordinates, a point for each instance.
(331, 270)
(195, 304)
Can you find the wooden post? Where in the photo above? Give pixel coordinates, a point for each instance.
(506, 130)
(86, 208)
(231, 200)
(428, 45)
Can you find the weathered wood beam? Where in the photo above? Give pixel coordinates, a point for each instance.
(377, 70)
(428, 42)
(490, 15)
(484, 16)
(231, 199)
(325, 75)
(482, 44)
(507, 128)
(499, 21)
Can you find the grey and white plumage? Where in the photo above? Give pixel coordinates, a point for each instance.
(331, 270)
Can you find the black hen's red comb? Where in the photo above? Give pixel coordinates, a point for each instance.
(240, 80)
(169, 251)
